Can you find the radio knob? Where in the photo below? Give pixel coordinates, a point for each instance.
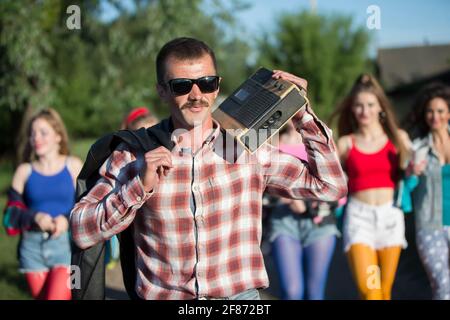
(277, 115)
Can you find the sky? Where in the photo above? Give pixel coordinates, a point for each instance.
(402, 22)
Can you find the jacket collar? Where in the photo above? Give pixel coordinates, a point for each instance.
(426, 142)
(167, 126)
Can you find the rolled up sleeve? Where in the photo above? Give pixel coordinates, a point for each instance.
(111, 205)
(322, 178)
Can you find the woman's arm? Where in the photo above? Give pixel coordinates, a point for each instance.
(344, 144)
(74, 164)
(21, 175)
(17, 216)
(404, 137)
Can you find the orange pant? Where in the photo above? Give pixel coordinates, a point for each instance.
(373, 270)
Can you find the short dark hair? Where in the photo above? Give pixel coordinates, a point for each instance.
(181, 48)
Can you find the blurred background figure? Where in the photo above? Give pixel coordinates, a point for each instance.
(372, 151)
(39, 203)
(302, 235)
(431, 198)
(138, 118)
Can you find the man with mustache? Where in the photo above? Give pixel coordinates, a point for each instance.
(197, 223)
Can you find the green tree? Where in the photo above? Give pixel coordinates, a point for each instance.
(328, 51)
(24, 80)
(94, 75)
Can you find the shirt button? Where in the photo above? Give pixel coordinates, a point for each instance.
(138, 198)
(195, 188)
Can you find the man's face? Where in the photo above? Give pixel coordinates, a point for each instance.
(194, 108)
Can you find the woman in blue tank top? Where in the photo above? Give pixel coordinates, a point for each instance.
(39, 203)
(431, 197)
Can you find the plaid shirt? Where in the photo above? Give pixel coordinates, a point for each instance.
(214, 251)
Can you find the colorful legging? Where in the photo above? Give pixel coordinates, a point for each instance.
(433, 247)
(302, 270)
(49, 285)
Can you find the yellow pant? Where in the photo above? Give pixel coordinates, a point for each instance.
(373, 270)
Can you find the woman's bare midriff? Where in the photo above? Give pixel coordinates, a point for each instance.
(375, 197)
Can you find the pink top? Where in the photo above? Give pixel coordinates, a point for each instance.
(297, 150)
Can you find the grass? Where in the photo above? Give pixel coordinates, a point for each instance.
(12, 284)
(80, 147)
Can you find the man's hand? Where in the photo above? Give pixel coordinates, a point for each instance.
(44, 222)
(299, 82)
(157, 162)
(61, 226)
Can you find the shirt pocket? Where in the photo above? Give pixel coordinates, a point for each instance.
(229, 187)
(213, 190)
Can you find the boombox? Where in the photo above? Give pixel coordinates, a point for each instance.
(258, 108)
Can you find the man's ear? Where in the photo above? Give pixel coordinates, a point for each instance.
(216, 94)
(161, 91)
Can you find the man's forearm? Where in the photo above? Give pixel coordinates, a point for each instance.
(323, 161)
(105, 212)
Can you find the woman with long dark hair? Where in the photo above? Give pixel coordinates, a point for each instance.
(431, 197)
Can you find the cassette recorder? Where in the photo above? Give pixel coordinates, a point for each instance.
(258, 108)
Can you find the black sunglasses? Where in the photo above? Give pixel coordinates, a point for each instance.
(181, 86)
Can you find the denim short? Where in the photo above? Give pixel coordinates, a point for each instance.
(38, 252)
(284, 222)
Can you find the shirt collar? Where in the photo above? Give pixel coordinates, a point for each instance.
(167, 125)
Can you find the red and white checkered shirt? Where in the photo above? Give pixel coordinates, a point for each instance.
(214, 251)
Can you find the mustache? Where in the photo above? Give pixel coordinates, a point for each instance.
(192, 104)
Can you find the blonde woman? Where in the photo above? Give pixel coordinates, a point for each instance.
(372, 150)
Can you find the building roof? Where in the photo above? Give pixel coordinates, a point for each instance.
(403, 66)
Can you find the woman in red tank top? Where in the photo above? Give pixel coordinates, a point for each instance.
(372, 149)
